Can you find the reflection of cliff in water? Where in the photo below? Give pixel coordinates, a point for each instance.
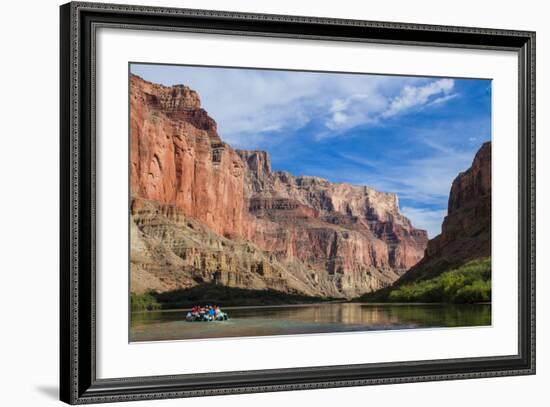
(365, 314)
(343, 313)
(316, 318)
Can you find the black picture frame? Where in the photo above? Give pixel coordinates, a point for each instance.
(78, 381)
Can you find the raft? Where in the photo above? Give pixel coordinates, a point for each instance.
(206, 317)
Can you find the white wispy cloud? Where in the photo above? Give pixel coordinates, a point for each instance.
(357, 109)
(247, 103)
(415, 96)
(442, 99)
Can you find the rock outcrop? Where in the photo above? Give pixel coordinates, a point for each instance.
(204, 212)
(466, 230)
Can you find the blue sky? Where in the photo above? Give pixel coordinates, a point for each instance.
(407, 135)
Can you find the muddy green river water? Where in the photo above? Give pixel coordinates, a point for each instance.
(304, 319)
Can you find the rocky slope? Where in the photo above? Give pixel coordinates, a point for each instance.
(170, 251)
(466, 230)
(204, 212)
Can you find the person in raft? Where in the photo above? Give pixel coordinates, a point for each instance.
(207, 313)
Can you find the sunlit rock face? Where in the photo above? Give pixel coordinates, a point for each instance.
(204, 212)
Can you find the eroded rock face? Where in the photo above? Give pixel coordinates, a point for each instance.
(466, 230)
(203, 212)
(351, 229)
(171, 250)
(177, 157)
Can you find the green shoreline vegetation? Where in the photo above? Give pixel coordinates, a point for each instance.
(144, 302)
(467, 284)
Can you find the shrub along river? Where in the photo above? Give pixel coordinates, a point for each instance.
(306, 319)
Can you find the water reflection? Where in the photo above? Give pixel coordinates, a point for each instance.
(319, 318)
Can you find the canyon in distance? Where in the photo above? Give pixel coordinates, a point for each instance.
(214, 224)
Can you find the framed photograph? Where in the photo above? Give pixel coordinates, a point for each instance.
(254, 203)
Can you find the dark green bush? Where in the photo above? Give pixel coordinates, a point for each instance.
(144, 302)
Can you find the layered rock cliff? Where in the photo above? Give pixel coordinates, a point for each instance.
(177, 157)
(466, 230)
(170, 250)
(204, 212)
(354, 233)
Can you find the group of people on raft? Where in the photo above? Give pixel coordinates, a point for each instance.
(206, 313)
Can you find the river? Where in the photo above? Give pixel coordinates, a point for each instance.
(304, 319)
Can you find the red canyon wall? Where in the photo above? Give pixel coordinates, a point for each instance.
(204, 212)
(177, 157)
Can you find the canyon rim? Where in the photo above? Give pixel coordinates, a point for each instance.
(281, 211)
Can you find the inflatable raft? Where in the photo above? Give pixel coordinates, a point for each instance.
(205, 317)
